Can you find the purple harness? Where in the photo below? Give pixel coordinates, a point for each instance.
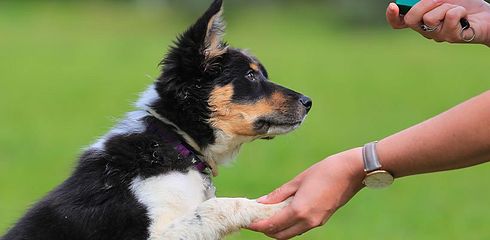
(185, 151)
(198, 164)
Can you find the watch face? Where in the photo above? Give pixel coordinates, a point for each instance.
(378, 179)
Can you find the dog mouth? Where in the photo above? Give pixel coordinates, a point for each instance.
(268, 128)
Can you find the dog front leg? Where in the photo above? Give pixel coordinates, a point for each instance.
(217, 217)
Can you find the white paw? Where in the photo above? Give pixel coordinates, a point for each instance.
(269, 210)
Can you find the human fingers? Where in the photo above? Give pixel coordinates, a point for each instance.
(393, 17)
(295, 230)
(280, 221)
(280, 194)
(285, 191)
(436, 16)
(300, 228)
(433, 22)
(414, 17)
(451, 30)
(307, 209)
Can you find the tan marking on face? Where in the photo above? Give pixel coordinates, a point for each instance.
(254, 66)
(236, 118)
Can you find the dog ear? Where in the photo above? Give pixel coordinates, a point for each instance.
(197, 50)
(212, 22)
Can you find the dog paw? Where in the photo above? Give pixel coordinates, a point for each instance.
(269, 210)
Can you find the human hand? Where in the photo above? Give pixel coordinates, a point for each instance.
(445, 16)
(318, 192)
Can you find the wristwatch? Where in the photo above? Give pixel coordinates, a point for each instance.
(376, 177)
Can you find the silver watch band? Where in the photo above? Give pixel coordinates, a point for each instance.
(370, 157)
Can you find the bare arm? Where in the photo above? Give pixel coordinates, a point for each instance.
(454, 139)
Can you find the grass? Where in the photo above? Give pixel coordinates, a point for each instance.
(67, 71)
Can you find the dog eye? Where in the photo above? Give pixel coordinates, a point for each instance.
(250, 75)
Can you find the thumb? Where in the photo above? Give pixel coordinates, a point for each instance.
(280, 194)
(393, 17)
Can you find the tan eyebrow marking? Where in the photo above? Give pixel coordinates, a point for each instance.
(254, 66)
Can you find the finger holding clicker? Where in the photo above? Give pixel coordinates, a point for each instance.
(415, 16)
(435, 17)
(451, 29)
(393, 17)
(433, 22)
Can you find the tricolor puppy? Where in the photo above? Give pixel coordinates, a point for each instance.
(150, 176)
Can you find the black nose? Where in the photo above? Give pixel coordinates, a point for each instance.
(306, 101)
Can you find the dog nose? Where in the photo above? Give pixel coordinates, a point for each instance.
(306, 102)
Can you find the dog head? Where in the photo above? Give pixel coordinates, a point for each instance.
(221, 96)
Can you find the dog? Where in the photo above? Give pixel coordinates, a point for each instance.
(150, 177)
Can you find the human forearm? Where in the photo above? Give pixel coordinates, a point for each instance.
(454, 139)
(457, 138)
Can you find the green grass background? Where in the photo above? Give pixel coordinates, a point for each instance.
(68, 71)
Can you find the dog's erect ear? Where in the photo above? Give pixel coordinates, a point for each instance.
(209, 30)
(198, 49)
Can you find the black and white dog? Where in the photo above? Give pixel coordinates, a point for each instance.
(150, 176)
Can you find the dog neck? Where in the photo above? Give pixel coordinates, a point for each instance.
(208, 156)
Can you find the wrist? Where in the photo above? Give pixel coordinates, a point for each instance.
(377, 176)
(352, 166)
(388, 154)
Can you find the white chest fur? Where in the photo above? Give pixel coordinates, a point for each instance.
(171, 195)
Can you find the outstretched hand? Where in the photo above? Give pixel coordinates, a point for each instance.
(318, 192)
(444, 17)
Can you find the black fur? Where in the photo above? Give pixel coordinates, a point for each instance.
(186, 82)
(95, 202)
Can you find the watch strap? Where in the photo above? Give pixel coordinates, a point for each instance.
(370, 157)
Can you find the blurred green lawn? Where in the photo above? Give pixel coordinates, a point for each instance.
(68, 71)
